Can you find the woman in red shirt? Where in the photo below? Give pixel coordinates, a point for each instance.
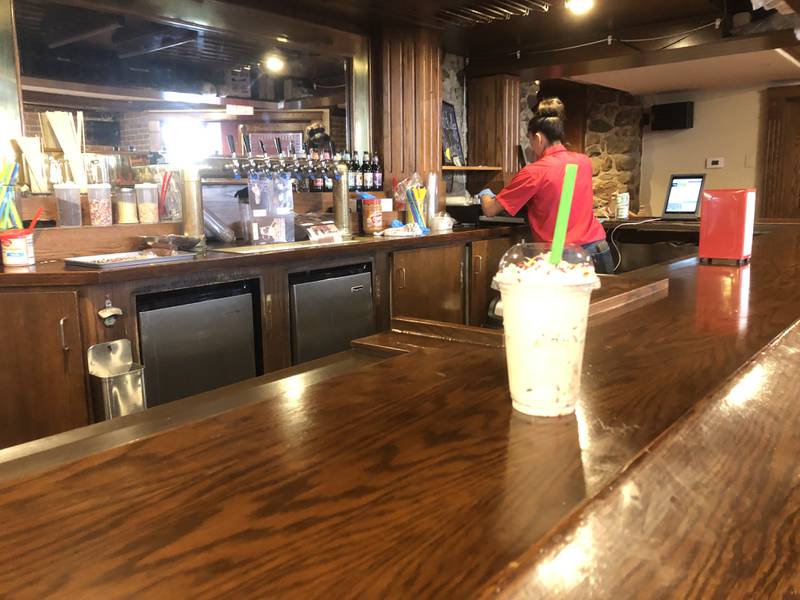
(538, 186)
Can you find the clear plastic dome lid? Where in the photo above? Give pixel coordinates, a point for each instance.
(529, 263)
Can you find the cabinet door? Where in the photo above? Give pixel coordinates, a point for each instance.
(428, 283)
(42, 385)
(486, 255)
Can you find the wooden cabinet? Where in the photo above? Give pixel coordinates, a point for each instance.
(485, 257)
(42, 381)
(493, 129)
(428, 283)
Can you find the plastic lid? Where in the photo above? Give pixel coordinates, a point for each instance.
(99, 186)
(126, 190)
(66, 186)
(145, 186)
(529, 264)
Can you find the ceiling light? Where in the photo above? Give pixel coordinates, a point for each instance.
(579, 7)
(282, 39)
(274, 63)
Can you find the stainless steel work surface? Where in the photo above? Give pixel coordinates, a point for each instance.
(192, 348)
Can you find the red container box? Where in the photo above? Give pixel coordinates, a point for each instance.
(727, 218)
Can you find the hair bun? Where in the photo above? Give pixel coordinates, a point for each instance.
(551, 108)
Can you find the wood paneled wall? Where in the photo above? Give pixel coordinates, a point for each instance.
(411, 103)
(780, 189)
(493, 124)
(575, 98)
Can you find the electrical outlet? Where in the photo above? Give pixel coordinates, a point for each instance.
(715, 163)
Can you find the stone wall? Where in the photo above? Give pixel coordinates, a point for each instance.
(453, 91)
(614, 143)
(528, 99)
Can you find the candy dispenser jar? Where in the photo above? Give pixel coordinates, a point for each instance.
(100, 204)
(125, 206)
(68, 196)
(147, 202)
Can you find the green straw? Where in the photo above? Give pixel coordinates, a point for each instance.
(564, 208)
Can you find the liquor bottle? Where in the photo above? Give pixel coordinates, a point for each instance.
(351, 176)
(319, 176)
(359, 176)
(377, 174)
(327, 174)
(366, 173)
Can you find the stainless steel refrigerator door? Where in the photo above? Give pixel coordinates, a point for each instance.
(193, 348)
(328, 314)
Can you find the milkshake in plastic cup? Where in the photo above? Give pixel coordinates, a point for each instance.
(545, 310)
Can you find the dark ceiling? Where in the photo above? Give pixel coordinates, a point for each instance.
(538, 29)
(51, 45)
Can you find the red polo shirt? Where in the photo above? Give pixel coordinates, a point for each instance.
(538, 185)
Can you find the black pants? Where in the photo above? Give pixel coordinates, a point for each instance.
(601, 256)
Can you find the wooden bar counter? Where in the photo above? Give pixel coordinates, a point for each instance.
(409, 475)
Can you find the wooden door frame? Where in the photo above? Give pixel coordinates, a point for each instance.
(772, 143)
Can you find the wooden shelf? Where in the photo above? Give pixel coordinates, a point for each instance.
(475, 168)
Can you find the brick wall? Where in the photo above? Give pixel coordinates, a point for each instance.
(140, 131)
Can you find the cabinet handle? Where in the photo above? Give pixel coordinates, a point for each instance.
(268, 301)
(401, 276)
(64, 346)
(479, 264)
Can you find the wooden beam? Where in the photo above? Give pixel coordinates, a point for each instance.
(618, 57)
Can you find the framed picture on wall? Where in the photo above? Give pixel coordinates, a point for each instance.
(452, 153)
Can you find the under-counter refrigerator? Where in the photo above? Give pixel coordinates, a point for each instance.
(197, 339)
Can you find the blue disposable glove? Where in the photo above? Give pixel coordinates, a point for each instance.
(486, 192)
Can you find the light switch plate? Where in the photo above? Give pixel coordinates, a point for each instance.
(715, 163)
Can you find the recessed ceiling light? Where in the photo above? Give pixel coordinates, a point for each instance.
(282, 39)
(274, 63)
(579, 7)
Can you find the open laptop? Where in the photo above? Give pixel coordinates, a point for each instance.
(683, 198)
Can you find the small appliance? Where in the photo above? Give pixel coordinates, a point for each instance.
(726, 225)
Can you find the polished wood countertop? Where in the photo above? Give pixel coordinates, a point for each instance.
(411, 476)
(56, 273)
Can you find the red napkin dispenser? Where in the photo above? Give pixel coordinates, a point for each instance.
(727, 219)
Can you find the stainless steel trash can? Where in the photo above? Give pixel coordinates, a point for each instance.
(117, 382)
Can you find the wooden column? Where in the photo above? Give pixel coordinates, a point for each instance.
(411, 103)
(10, 101)
(493, 127)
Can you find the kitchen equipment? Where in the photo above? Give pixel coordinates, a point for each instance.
(127, 259)
(192, 207)
(117, 382)
(329, 308)
(147, 202)
(341, 201)
(68, 198)
(198, 339)
(727, 219)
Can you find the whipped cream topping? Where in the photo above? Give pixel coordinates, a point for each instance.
(539, 270)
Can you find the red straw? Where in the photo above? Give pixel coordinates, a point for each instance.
(13, 233)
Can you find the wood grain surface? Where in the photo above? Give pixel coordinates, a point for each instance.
(412, 476)
(56, 273)
(709, 511)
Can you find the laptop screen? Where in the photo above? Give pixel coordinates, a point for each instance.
(683, 196)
